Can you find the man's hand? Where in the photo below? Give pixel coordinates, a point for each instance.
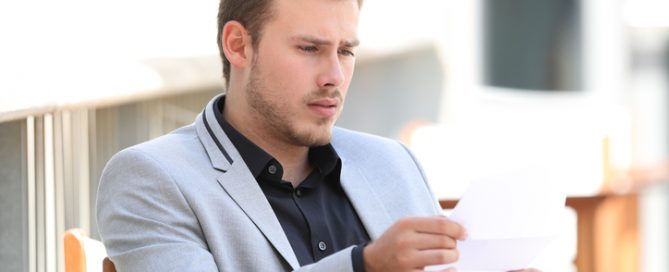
(413, 243)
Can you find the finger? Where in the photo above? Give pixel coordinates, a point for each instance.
(436, 256)
(440, 225)
(425, 241)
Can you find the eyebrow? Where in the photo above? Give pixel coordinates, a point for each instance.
(319, 41)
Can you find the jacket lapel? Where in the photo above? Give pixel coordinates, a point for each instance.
(244, 190)
(363, 196)
(238, 182)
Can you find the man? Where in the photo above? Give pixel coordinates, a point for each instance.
(262, 181)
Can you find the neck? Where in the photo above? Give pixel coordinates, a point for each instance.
(293, 158)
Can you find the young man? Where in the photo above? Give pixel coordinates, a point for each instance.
(262, 181)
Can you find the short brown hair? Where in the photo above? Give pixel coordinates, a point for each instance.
(252, 14)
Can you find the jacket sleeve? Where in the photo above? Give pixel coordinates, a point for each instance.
(145, 222)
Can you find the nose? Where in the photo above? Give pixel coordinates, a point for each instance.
(332, 73)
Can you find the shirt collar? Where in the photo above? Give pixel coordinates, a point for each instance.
(324, 158)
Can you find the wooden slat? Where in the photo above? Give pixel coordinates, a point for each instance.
(75, 260)
(108, 265)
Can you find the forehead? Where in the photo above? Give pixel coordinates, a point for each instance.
(328, 19)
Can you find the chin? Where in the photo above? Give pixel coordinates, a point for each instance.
(318, 137)
(321, 138)
(322, 141)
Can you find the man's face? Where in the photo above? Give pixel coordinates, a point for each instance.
(302, 69)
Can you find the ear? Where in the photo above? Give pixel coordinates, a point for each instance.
(236, 44)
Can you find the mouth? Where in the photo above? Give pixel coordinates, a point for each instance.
(326, 107)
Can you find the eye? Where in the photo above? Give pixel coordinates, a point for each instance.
(346, 52)
(308, 49)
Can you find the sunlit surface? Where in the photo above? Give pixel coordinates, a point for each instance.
(570, 139)
(646, 13)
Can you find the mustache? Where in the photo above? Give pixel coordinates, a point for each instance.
(325, 93)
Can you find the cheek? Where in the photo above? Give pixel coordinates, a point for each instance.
(279, 79)
(290, 70)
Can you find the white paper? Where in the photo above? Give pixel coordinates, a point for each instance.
(509, 219)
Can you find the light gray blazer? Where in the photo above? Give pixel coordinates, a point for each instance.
(186, 201)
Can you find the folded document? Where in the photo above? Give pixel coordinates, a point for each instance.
(509, 219)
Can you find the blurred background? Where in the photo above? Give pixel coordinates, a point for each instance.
(475, 88)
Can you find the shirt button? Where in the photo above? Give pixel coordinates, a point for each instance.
(298, 192)
(322, 246)
(272, 169)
